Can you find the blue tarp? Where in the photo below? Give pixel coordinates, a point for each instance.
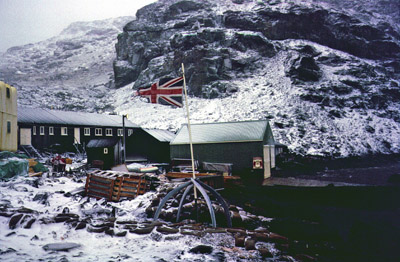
(12, 164)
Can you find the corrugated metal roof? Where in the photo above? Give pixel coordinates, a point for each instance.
(160, 135)
(47, 116)
(222, 132)
(105, 142)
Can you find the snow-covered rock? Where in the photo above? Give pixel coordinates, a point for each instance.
(326, 73)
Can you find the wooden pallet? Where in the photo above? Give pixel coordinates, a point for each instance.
(112, 185)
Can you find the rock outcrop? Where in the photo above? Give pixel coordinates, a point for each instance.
(324, 72)
(221, 40)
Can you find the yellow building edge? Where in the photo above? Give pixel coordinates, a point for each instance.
(8, 118)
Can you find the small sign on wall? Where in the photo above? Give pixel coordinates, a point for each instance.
(257, 163)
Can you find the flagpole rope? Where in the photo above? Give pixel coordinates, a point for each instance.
(189, 129)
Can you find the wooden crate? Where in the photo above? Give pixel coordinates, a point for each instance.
(100, 184)
(113, 185)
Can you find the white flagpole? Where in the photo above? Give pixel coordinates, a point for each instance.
(189, 129)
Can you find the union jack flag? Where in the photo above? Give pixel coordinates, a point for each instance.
(167, 91)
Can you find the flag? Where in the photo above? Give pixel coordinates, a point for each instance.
(167, 91)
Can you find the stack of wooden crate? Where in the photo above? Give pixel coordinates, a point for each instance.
(114, 185)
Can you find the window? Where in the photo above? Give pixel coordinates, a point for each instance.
(51, 130)
(34, 130)
(130, 132)
(86, 131)
(105, 150)
(64, 131)
(41, 130)
(98, 132)
(120, 132)
(8, 127)
(8, 92)
(109, 132)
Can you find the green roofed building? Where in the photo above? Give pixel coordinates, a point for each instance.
(247, 145)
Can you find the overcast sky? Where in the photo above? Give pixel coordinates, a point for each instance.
(29, 21)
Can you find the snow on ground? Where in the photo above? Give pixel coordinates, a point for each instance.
(21, 244)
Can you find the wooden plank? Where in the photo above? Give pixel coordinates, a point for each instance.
(99, 187)
(120, 182)
(129, 194)
(111, 190)
(87, 182)
(132, 189)
(126, 183)
(100, 180)
(99, 194)
(102, 189)
(98, 190)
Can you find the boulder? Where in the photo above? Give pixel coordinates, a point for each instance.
(80, 225)
(278, 238)
(215, 230)
(41, 197)
(142, 230)
(29, 223)
(265, 253)
(7, 251)
(167, 230)
(239, 240)
(92, 229)
(12, 224)
(109, 231)
(201, 249)
(304, 68)
(66, 217)
(239, 231)
(258, 236)
(250, 244)
(192, 233)
(236, 219)
(121, 233)
(60, 246)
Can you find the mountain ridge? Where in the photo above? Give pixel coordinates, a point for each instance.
(318, 99)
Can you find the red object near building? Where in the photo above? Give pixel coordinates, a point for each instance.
(58, 164)
(258, 163)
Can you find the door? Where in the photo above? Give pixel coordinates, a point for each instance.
(269, 160)
(77, 135)
(25, 137)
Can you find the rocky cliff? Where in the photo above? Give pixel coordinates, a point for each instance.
(219, 40)
(325, 73)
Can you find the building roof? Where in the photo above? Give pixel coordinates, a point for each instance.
(104, 142)
(160, 135)
(47, 116)
(246, 131)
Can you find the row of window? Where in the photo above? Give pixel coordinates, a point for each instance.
(86, 131)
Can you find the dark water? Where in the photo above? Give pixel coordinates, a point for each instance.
(329, 223)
